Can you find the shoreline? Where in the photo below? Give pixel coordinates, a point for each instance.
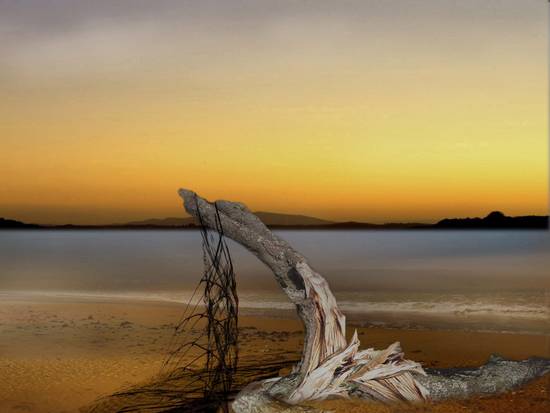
(60, 356)
(396, 319)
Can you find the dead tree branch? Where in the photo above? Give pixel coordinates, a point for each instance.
(330, 366)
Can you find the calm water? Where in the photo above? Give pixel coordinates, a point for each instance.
(478, 279)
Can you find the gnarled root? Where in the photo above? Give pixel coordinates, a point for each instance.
(375, 375)
(497, 376)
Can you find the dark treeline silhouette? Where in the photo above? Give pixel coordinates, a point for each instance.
(495, 220)
(10, 223)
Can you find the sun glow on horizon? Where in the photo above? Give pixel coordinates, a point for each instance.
(348, 111)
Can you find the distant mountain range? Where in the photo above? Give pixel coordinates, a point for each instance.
(271, 219)
(495, 220)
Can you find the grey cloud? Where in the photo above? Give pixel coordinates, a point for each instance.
(45, 16)
(61, 38)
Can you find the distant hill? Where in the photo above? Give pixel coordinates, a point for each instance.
(271, 219)
(286, 220)
(160, 222)
(10, 223)
(495, 220)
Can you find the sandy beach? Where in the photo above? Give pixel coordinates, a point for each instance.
(57, 355)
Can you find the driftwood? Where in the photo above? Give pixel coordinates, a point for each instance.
(330, 366)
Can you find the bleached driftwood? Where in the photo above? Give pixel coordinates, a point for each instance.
(325, 324)
(331, 367)
(496, 376)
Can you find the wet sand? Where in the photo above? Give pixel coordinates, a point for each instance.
(59, 355)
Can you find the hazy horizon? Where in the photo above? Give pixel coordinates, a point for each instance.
(491, 274)
(184, 216)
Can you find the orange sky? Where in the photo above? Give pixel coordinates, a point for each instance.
(350, 110)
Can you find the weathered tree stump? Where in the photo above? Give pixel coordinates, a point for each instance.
(330, 366)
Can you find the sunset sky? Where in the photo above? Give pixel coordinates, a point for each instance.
(363, 110)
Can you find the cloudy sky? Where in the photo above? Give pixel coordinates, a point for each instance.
(354, 110)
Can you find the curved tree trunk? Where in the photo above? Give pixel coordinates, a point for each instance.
(330, 366)
(324, 323)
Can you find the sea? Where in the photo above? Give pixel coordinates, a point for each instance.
(416, 279)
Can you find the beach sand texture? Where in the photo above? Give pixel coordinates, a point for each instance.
(59, 355)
